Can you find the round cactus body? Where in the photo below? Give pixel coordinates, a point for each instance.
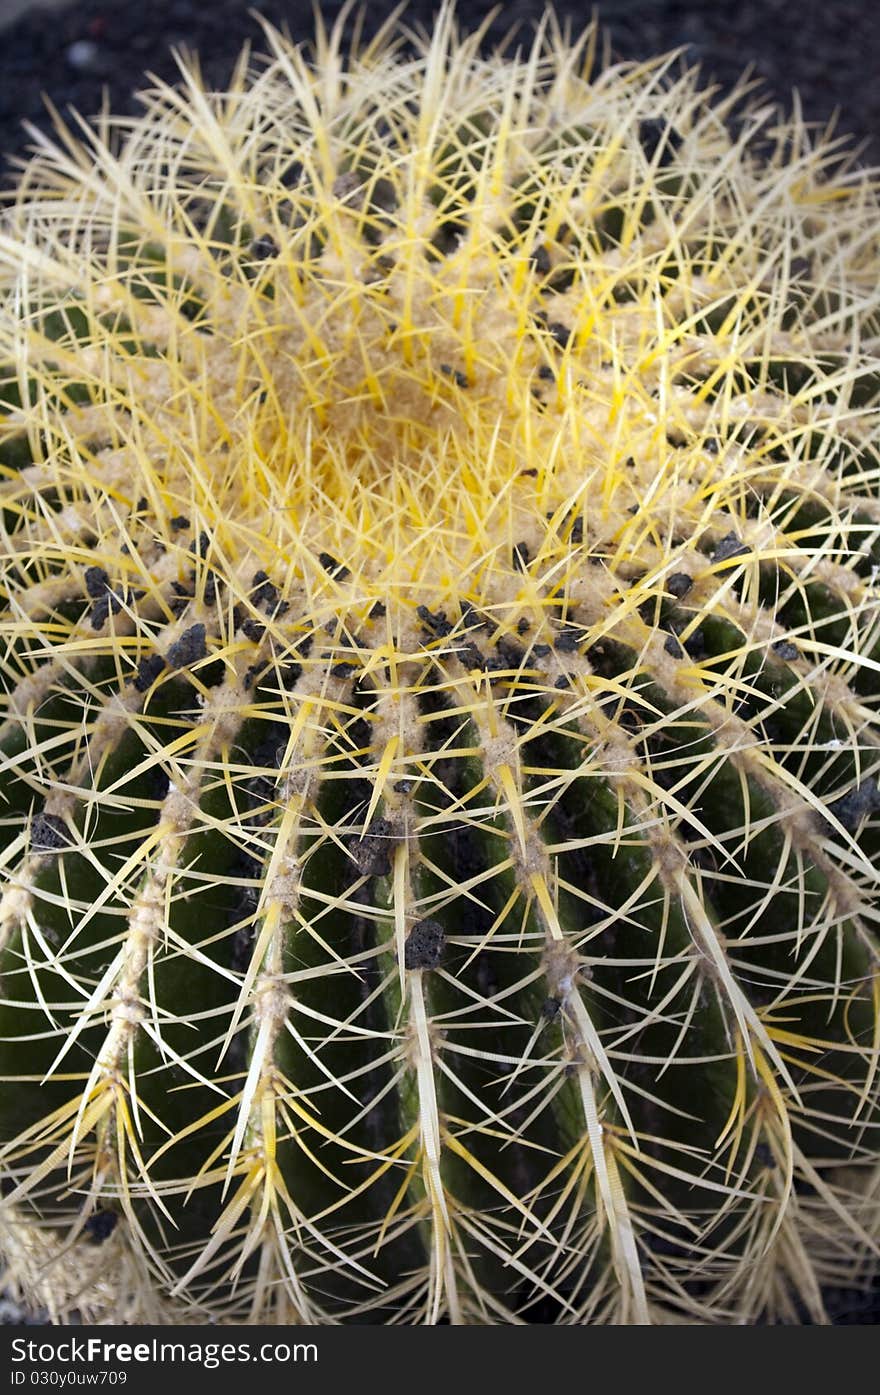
(440, 651)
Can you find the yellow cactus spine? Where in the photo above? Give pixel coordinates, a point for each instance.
(439, 667)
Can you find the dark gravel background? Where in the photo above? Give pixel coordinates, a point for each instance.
(829, 50)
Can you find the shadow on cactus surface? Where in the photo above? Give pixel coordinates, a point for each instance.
(440, 653)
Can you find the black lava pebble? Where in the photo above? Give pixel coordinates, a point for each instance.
(851, 808)
(100, 1226)
(48, 833)
(678, 584)
(425, 945)
(372, 852)
(189, 649)
(330, 564)
(263, 248)
(729, 546)
(97, 581)
(148, 671)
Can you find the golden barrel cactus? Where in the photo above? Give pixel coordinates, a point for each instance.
(440, 651)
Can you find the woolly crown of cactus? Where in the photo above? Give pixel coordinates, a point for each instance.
(440, 650)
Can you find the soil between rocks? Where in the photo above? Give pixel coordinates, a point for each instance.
(74, 50)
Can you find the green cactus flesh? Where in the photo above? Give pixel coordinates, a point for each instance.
(440, 640)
